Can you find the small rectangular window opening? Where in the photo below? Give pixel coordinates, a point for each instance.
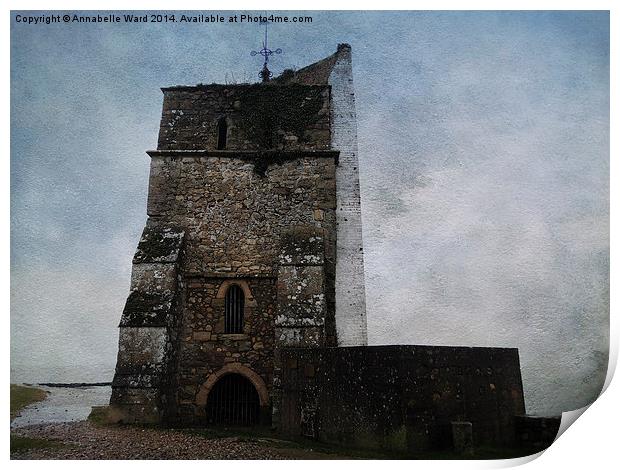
(222, 131)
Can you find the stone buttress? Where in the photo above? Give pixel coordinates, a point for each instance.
(143, 382)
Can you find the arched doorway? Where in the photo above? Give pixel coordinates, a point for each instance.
(233, 400)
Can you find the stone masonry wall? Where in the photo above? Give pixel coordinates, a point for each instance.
(399, 398)
(236, 223)
(259, 117)
(233, 217)
(206, 349)
(350, 299)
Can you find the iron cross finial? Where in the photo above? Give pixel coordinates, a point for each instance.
(265, 73)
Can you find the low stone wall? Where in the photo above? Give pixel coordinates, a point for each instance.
(537, 432)
(401, 398)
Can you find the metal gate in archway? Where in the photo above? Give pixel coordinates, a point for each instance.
(233, 400)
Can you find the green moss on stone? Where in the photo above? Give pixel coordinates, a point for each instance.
(159, 245)
(267, 110)
(147, 309)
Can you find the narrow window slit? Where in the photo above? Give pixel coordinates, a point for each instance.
(222, 133)
(233, 310)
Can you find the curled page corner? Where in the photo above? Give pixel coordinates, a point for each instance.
(568, 418)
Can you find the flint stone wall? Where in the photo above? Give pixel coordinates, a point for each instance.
(233, 217)
(401, 398)
(537, 432)
(205, 348)
(258, 116)
(240, 227)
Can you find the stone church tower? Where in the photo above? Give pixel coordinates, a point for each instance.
(253, 244)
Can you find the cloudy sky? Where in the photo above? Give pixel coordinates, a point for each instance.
(484, 148)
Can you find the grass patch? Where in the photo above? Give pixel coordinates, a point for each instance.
(22, 396)
(23, 444)
(98, 415)
(104, 415)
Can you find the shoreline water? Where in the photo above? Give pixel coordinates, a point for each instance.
(63, 404)
(70, 385)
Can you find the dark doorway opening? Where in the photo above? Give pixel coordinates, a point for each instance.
(233, 400)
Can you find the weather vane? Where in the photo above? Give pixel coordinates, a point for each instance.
(265, 74)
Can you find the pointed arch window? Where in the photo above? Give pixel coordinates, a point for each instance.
(222, 133)
(233, 310)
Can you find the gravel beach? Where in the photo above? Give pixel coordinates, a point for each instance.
(84, 440)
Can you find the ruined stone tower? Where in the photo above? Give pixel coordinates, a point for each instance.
(253, 243)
